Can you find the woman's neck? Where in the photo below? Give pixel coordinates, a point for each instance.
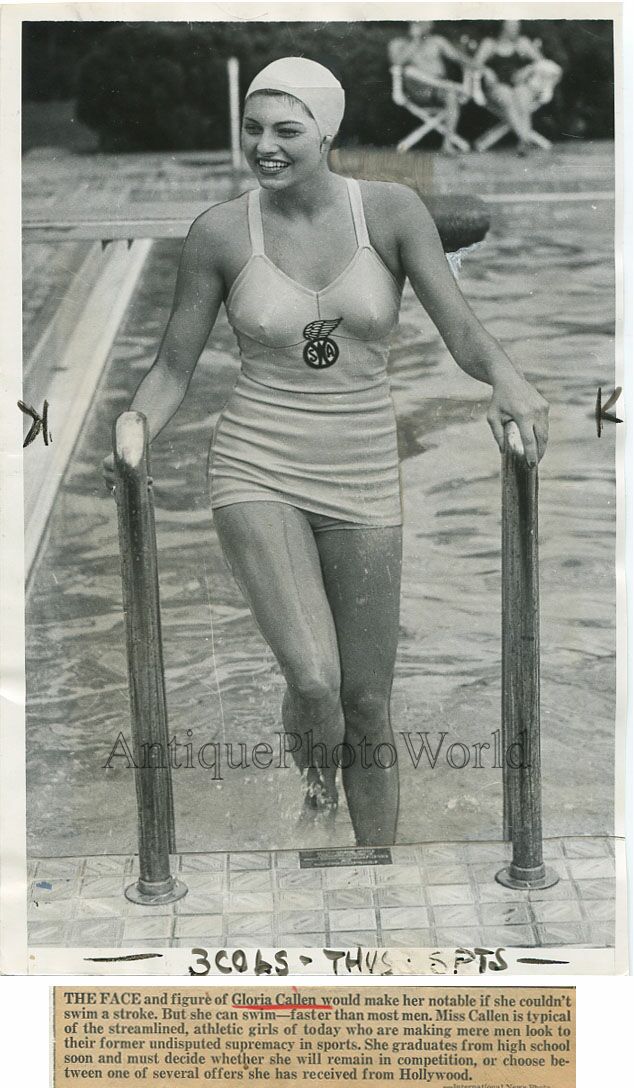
(310, 198)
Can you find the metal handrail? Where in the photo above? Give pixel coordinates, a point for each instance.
(139, 571)
(521, 742)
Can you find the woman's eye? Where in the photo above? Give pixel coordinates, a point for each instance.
(251, 130)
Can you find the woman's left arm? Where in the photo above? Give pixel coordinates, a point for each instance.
(477, 352)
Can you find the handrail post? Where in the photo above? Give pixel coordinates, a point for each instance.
(521, 759)
(233, 77)
(139, 572)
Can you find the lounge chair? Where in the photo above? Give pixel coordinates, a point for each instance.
(433, 116)
(543, 77)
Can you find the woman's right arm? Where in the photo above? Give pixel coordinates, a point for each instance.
(197, 299)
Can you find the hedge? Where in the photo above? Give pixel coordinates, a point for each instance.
(163, 86)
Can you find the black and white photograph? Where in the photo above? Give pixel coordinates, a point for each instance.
(319, 403)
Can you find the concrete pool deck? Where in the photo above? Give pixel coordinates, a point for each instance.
(429, 895)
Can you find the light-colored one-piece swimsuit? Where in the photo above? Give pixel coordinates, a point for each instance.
(310, 421)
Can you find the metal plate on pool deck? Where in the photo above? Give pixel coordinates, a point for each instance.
(318, 859)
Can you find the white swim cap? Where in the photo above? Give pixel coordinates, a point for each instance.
(311, 83)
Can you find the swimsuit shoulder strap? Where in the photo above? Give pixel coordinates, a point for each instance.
(256, 232)
(254, 213)
(356, 203)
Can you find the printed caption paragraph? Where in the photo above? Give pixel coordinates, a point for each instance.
(497, 1037)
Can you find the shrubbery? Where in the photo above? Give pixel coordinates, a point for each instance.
(162, 86)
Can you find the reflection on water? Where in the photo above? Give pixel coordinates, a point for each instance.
(543, 284)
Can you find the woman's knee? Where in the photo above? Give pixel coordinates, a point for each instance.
(366, 709)
(500, 95)
(315, 682)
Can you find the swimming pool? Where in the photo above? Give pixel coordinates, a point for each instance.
(543, 283)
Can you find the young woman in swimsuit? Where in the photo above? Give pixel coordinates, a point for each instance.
(304, 470)
(516, 78)
(424, 57)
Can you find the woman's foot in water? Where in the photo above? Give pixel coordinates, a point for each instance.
(320, 802)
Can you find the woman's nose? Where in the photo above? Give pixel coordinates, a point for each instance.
(267, 143)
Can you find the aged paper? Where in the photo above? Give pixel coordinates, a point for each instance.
(490, 1037)
(101, 233)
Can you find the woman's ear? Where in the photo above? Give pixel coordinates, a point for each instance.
(325, 143)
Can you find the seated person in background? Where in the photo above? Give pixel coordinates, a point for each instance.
(423, 56)
(516, 78)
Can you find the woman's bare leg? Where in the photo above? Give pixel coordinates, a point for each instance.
(452, 116)
(362, 576)
(511, 109)
(272, 553)
(525, 106)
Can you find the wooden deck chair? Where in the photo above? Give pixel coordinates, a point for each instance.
(433, 116)
(543, 78)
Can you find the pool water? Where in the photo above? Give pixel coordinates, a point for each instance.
(542, 283)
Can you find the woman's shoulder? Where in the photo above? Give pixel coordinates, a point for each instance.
(391, 210)
(220, 220)
(213, 235)
(525, 44)
(385, 197)
(399, 50)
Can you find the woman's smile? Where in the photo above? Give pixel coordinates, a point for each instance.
(270, 166)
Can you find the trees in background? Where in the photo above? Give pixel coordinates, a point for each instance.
(163, 86)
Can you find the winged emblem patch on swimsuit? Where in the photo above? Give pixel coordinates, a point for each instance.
(321, 351)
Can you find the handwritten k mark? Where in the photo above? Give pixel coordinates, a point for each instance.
(601, 410)
(40, 423)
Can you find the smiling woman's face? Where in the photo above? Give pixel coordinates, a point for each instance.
(280, 139)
